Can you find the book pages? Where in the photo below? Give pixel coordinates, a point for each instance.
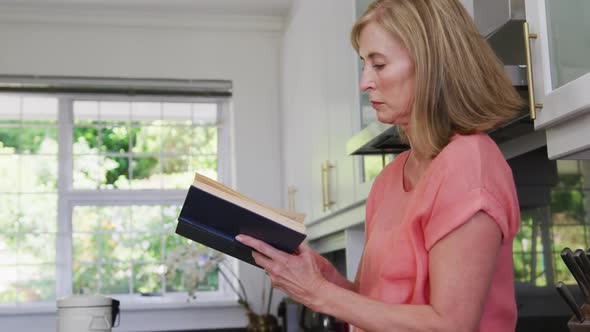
(289, 219)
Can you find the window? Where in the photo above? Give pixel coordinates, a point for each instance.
(548, 228)
(28, 186)
(91, 187)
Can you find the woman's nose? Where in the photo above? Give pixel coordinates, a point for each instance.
(366, 82)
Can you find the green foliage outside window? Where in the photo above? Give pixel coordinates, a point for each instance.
(566, 226)
(27, 139)
(116, 249)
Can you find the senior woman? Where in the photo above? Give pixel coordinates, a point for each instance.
(441, 217)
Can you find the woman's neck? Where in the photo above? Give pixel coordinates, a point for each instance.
(414, 168)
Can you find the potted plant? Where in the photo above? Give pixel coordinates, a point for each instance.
(196, 261)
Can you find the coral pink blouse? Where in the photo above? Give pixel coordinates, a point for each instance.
(468, 175)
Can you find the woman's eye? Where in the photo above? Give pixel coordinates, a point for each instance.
(378, 66)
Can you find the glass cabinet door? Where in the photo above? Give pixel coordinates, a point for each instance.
(568, 25)
(559, 44)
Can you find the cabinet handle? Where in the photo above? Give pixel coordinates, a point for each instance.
(529, 71)
(326, 196)
(291, 198)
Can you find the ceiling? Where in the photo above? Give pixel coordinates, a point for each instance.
(227, 7)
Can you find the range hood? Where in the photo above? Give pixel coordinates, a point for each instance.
(501, 21)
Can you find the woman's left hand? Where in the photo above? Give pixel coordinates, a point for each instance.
(297, 274)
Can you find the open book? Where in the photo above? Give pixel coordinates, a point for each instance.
(213, 214)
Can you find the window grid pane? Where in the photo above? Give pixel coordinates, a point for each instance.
(129, 242)
(566, 226)
(143, 145)
(28, 197)
(116, 145)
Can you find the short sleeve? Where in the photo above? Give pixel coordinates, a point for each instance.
(471, 176)
(456, 209)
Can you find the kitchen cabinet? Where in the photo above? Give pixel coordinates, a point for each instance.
(553, 70)
(319, 98)
(302, 104)
(559, 82)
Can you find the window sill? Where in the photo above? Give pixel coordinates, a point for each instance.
(149, 316)
(129, 303)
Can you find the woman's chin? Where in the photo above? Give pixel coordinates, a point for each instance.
(385, 119)
(392, 120)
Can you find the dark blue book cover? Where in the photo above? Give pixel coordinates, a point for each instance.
(214, 222)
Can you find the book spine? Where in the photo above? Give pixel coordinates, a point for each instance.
(215, 239)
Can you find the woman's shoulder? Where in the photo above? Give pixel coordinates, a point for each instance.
(472, 148)
(473, 155)
(472, 141)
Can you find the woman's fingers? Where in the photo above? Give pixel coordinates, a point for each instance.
(304, 247)
(262, 247)
(263, 261)
(298, 275)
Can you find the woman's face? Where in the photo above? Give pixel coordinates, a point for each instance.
(388, 74)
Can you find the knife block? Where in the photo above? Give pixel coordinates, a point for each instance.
(575, 326)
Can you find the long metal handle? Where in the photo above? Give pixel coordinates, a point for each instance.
(326, 196)
(328, 186)
(529, 71)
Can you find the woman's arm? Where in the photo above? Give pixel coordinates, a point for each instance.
(461, 270)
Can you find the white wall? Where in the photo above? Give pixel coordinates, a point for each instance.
(103, 44)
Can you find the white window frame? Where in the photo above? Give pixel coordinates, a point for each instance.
(68, 198)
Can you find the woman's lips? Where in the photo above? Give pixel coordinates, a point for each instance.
(376, 104)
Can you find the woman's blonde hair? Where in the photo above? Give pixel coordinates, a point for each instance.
(461, 86)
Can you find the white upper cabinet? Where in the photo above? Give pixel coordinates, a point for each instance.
(302, 106)
(332, 168)
(319, 100)
(560, 56)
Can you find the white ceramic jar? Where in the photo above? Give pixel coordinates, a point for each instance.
(85, 313)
